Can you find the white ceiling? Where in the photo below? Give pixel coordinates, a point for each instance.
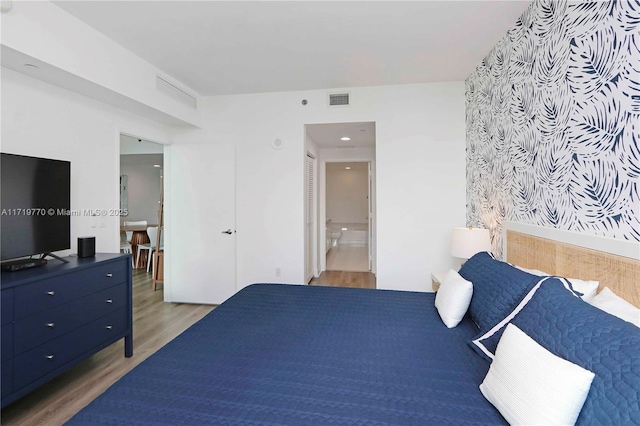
(233, 47)
(328, 135)
(132, 145)
(361, 166)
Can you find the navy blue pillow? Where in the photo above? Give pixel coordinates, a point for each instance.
(593, 339)
(497, 288)
(485, 344)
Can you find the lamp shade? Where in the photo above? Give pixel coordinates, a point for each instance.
(465, 242)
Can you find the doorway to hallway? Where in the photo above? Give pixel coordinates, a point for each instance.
(350, 148)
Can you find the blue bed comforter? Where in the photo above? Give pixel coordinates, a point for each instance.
(300, 355)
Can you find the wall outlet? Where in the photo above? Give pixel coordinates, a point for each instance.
(278, 272)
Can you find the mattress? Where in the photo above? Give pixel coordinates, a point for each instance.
(301, 355)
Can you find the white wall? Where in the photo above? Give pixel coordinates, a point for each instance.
(420, 166)
(420, 188)
(39, 119)
(348, 192)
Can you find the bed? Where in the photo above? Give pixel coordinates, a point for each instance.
(301, 355)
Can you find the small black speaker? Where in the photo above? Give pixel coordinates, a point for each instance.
(86, 246)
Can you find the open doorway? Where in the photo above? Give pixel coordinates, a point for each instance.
(141, 188)
(343, 190)
(347, 213)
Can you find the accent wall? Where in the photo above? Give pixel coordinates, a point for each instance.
(553, 122)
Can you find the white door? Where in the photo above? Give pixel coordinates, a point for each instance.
(310, 218)
(201, 240)
(370, 217)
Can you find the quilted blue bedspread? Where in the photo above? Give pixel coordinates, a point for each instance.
(299, 355)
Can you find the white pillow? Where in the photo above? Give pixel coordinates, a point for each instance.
(453, 298)
(533, 271)
(610, 302)
(529, 385)
(588, 288)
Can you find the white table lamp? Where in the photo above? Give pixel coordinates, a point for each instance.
(465, 242)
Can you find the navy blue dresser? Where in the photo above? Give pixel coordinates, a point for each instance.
(57, 315)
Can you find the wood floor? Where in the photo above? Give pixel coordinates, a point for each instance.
(347, 266)
(155, 323)
(345, 279)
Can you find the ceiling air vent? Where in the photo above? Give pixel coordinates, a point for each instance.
(173, 91)
(338, 99)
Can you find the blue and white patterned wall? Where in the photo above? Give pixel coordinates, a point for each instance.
(553, 122)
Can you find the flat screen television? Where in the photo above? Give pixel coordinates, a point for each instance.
(35, 201)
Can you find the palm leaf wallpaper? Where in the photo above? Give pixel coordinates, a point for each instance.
(553, 122)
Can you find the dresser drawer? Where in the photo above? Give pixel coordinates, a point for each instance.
(44, 326)
(43, 295)
(44, 359)
(6, 337)
(6, 301)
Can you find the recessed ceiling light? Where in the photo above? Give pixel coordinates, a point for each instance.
(156, 165)
(347, 168)
(345, 138)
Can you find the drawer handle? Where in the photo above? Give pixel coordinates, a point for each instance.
(109, 275)
(51, 293)
(51, 324)
(109, 327)
(50, 357)
(109, 300)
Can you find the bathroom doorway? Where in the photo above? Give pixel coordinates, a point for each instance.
(348, 211)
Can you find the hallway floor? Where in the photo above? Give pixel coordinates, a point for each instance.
(345, 279)
(346, 257)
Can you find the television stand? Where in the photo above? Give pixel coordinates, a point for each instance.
(20, 264)
(54, 256)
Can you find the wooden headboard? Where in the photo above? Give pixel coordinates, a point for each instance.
(621, 274)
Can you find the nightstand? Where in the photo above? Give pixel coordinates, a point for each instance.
(436, 279)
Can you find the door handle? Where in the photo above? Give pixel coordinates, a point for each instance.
(228, 231)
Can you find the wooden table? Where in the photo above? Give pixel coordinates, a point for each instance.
(139, 236)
